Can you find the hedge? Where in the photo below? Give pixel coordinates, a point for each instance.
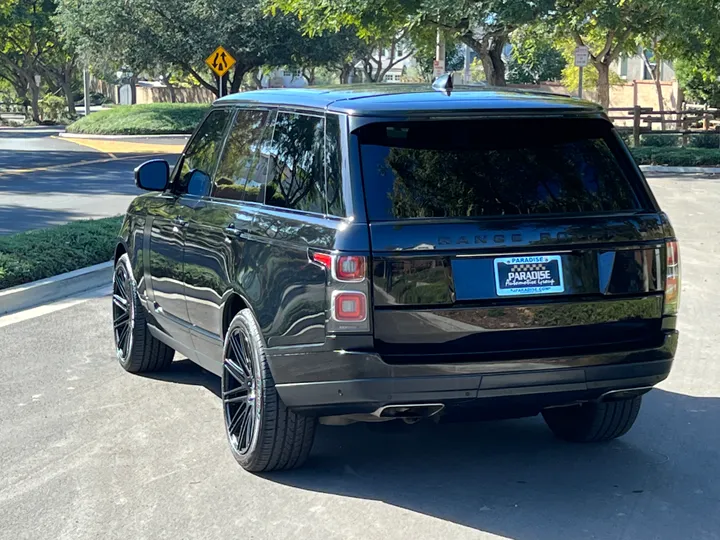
(149, 119)
(677, 157)
(33, 255)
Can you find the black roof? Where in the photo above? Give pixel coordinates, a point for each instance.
(389, 99)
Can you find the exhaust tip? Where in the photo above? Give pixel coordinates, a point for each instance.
(625, 393)
(409, 411)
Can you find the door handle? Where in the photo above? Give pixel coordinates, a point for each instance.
(232, 230)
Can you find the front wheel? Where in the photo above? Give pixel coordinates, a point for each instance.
(593, 422)
(264, 435)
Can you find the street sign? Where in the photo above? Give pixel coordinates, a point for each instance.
(220, 61)
(438, 68)
(582, 56)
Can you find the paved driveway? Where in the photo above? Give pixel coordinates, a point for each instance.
(47, 181)
(89, 451)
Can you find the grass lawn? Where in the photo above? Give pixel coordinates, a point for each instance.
(33, 255)
(150, 119)
(677, 157)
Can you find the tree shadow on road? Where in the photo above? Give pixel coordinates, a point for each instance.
(512, 478)
(15, 218)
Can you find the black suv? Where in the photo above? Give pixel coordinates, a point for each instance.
(396, 252)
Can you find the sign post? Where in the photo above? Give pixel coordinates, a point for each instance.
(220, 61)
(582, 58)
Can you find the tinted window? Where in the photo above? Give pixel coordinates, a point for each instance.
(333, 148)
(242, 170)
(297, 169)
(492, 168)
(198, 164)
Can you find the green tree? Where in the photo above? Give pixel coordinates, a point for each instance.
(609, 29)
(483, 25)
(27, 39)
(699, 78)
(534, 57)
(180, 34)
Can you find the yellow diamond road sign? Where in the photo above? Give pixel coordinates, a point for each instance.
(220, 61)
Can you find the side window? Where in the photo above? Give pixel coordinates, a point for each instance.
(243, 168)
(297, 168)
(333, 149)
(197, 165)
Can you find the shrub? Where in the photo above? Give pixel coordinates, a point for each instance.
(44, 253)
(53, 108)
(704, 140)
(677, 157)
(659, 141)
(149, 119)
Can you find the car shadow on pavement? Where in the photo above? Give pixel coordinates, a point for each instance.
(514, 479)
(185, 371)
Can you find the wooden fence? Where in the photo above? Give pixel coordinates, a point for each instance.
(681, 122)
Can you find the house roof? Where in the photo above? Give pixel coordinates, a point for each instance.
(390, 99)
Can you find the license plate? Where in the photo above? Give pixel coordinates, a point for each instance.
(532, 274)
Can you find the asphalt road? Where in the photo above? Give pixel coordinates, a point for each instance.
(47, 181)
(89, 451)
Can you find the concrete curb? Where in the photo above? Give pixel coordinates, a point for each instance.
(66, 135)
(47, 290)
(679, 170)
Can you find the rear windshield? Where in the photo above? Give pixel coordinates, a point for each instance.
(482, 168)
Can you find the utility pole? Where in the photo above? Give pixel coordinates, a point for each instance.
(466, 67)
(580, 81)
(439, 64)
(86, 89)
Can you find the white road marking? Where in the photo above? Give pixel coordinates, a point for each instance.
(65, 303)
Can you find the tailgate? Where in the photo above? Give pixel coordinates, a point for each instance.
(437, 294)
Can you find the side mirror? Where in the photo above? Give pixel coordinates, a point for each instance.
(153, 175)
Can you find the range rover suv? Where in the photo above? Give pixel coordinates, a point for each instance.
(396, 252)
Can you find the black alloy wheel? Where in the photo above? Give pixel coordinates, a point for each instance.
(122, 312)
(240, 392)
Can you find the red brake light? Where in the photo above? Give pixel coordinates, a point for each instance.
(350, 268)
(349, 306)
(672, 278)
(323, 259)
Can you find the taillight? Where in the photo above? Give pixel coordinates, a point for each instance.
(350, 268)
(349, 306)
(672, 278)
(348, 291)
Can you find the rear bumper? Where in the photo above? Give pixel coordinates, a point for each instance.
(336, 382)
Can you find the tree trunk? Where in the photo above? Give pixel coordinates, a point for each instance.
(257, 78)
(311, 77)
(35, 100)
(656, 73)
(496, 74)
(603, 83)
(489, 50)
(69, 98)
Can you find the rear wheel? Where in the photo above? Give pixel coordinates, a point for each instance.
(136, 348)
(264, 435)
(593, 422)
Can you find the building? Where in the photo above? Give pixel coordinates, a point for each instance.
(634, 68)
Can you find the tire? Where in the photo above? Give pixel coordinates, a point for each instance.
(264, 435)
(593, 422)
(137, 350)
